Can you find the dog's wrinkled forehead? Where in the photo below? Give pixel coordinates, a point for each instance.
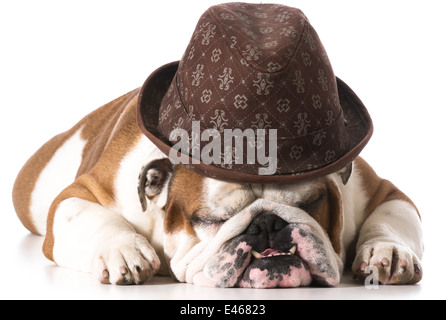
(224, 199)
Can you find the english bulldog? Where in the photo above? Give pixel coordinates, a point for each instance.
(110, 203)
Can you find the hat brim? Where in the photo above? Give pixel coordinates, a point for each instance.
(359, 127)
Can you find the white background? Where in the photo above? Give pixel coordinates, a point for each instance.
(59, 60)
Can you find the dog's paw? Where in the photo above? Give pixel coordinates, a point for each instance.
(395, 264)
(129, 260)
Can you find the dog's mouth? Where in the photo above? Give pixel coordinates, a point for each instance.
(300, 261)
(269, 253)
(273, 268)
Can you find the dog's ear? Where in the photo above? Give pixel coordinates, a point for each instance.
(153, 178)
(346, 173)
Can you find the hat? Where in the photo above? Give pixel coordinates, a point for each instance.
(254, 99)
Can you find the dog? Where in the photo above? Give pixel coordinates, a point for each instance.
(109, 200)
(202, 230)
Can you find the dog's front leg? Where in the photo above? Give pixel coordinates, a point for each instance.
(390, 240)
(390, 244)
(89, 237)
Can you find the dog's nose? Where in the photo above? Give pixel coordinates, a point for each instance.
(266, 223)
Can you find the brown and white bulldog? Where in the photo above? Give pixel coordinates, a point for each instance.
(100, 213)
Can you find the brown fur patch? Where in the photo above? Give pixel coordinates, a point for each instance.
(378, 190)
(185, 198)
(329, 214)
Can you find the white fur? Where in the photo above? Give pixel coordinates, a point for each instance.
(396, 223)
(126, 183)
(58, 174)
(91, 238)
(354, 201)
(148, 223)
(79, 227)
(224, 199)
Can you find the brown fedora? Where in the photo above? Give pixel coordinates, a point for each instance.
(260, 73)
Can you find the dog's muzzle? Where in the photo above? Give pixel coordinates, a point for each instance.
(274, 262)
(272, 253)
(266, 245)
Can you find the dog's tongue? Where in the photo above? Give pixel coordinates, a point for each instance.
(271, 252)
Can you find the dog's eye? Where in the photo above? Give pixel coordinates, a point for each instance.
(201, 217)
(312, 205)
(204, 222)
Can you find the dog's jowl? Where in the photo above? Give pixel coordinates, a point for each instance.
(294, 209)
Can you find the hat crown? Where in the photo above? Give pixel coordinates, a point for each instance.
(246, 59)
(253, 32)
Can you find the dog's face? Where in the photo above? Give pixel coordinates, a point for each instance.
(250, 235)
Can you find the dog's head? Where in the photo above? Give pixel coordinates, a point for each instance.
(250, 235)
